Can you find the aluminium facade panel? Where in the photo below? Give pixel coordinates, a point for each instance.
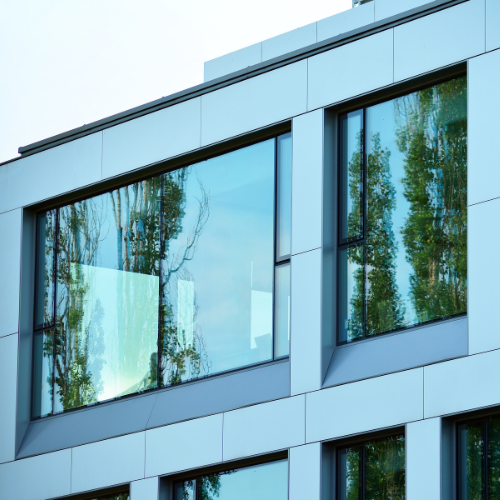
(305, 472)
(145, 489)
(288, 42)
(389, 8)
(492, 22)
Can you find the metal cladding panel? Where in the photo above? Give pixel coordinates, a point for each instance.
(288, 42)
(388, 8)
(445, 37)
(305, 356)
(462, 384)
(305, 472)
(401, 351)
(423, 459)
(307, 181)
(228, 63)
(177, 447)
(144, 489)
(254, 103)
(483, 128)
(37, 478)
(365, 406)
(52, 172)
(346, 21)
(152, 138)
(8, 376)
(10, 270)
(484, 274)
(332, 76)
(492, 23)
(264, 428)
(108, 463)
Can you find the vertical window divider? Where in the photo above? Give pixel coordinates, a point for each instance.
(486, 492)
(275, 243)
(54, 331)
(364, 208)
(363, 471)
(160, 284)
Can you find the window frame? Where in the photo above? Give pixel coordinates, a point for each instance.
(142, 174)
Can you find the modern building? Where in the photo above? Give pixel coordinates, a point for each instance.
(271, 285)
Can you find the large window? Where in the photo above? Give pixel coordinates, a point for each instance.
(403, 212)
(479, 459)
(166, 280)
(267, 481)
(373, 470)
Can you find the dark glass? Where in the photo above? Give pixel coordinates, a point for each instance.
(108, 293)
(351, 277)
(385, 469)
(218, 264)
(282, 311)
(351, 176)
(185, 490)
(471, 461)
(284, 202)
(43, 346)
(494, 458)
(45, 277)
(349, 473)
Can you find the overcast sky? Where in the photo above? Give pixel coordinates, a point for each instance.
(65, 63)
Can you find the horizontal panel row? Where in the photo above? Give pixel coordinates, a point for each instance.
(451, 35)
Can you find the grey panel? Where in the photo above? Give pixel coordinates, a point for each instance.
(409, 349)
(204, 397)
(224, 393)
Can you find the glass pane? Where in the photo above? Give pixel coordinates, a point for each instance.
(471, 461)
(119, 496)
(385, 469)
(282, 311)
(42, 373)
(185, 490)
(45, 234)
(351, 176)
(284, 219)
(351, 293)
(265, 482)
(108, 294)
(349, 474)
(494, 458)
(218, 264)
(417, 199)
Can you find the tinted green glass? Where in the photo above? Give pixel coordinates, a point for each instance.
(108, 293)
(282, 311)
(43, 345)
(351, 278)
(494, 458)
(351, 176)
(284, 202)
(218, 264)
(471, 461)
(265, 482)
(44, 302)
(349, 473)
(385, 469)
(185, 490)
(416, 154)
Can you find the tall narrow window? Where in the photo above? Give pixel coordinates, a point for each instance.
(372, 470)
(169, 279)
(403, 212)
(267, 481)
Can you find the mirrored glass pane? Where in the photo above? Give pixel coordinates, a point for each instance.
(284, 219)
(44, 301)
(471, 461)
(417, 198)
(218, 264)
(108, 295)
(185, 490)
(351, 274)
(43, 346)
(265, 482)
(282, 310)
(351, 176)
(494, 458)
(385, 469)
(349, 473)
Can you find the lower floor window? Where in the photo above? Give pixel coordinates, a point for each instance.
(372, 470)
(479, 459)
(267, 481)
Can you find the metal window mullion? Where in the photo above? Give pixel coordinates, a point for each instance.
(54, 331)
(160, 283)
(364, 207)
(275, 243)
(363, 472)
(486, 443)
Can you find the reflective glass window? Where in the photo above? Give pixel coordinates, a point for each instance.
(282, 310)
(412, 217)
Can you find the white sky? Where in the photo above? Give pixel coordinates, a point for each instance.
(64, 63)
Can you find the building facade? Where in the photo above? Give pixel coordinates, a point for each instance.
(269, 285)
